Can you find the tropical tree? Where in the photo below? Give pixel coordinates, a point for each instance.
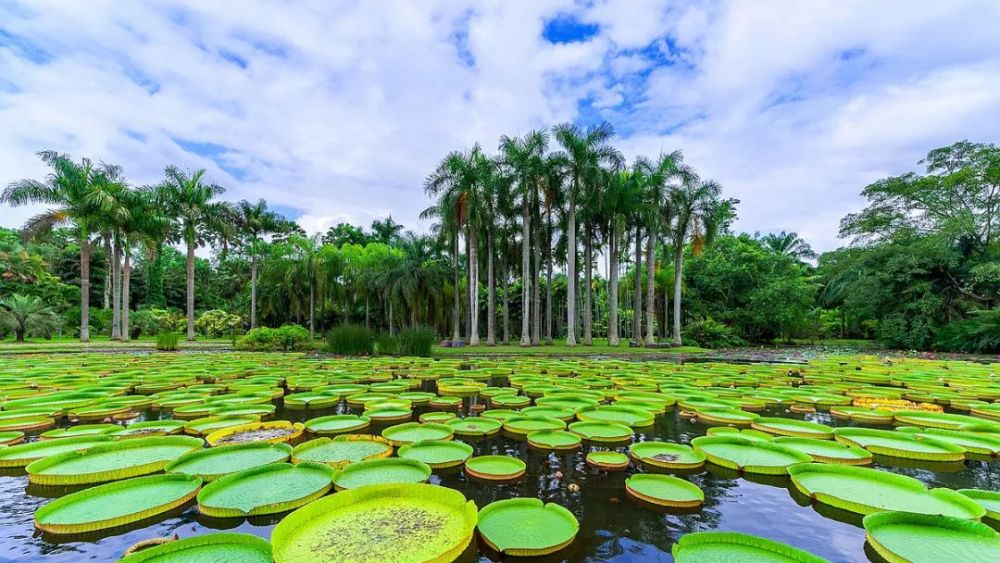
(788, 244)
(74, 192)
(622, 199)
(584, 154)
(23, 313)
(386, 230)
(190, 199)
(254, 221)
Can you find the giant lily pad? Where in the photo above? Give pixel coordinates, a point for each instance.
(726, 547)
(111, 461)
(267, 489)
(381, 472)
(410, 432)
(990, 500)
(945, 421)
(920, 538)
(608, 461)
(209, 424)
(400, 522)
(865, 491)
(900, 444)
(524, 527)
(475, 426)
(523, 425)
(629, 416)
(213, 463)
(11, 438)
(981, 443)
(79, 431)
(664, 490)
(23, 454)
(667, 455)
(554, 440)
(342, 450)
(600, 432)
(207, 548)
(116, 504)
(792, 427)
(438, 454)
(270, 432)
(747, 455)
(734, 417)
(495, 467)
(337, 424)
(827, 451)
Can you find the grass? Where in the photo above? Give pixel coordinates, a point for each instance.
(600, 348)
(102, 343)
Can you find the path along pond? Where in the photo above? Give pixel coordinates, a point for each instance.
(613, 527)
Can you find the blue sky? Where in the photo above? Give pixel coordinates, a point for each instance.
(336, 111)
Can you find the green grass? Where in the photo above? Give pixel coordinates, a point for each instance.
(99, 343)
(559, 348)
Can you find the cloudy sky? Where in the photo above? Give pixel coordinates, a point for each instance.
(336, 111)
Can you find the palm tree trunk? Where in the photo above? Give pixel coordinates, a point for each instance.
(84, 283)
(678, 276)
(650, 288)
(571, 268)
(126, 288)
(637, 313)
(116, 291)
(253, 291)
(107, 272)
(456, 314)
(526, 272)
(491, 299)
(312, 309)
(548, 278)
(506, 301)
(588, 303)
(473, 288)
(536, 286)
(190, 289)
(613, 288)
(468, 285)
(666, 313)
(367, 315)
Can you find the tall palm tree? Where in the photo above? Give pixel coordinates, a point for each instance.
(191, 203)
(254, 221)
(145, 222)
(789, 244)
(386, 230)
(585, 153)
(621, 200)
(74, 192)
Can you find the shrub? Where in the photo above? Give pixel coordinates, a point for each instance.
(417, 341)
(387, 345)
(710, 333)
(351, 340)
(980, 334)
(284, 339)
(167, 341)
(217, 323)
(150, 321)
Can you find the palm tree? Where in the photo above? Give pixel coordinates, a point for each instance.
(144, 222)
(788, 244)
(584, 153)
(253, 221)
(621, 200)
(700, 215)
(73, 190)
(386, 230)
(191, 203)
(22, 313)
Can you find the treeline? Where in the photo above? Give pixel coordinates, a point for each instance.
(553, 236)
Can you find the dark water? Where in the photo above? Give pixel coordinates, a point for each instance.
(612, 527)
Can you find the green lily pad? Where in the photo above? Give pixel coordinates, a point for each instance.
(410, 432)
(213, 463)
(903, 445)
(667, 455)
(731, 416)
(337, 424)
(148, 428)
(981, 443)
(525, 527)
(792, 427)
(557, 440)
(11, 438)
(116, 504)
(381, 472)
(414, 523)
(629, 416)
(750, 456)
(209, 424)
(664, 490)
(921, 538)
(990, 500)
(438, 454)
(342, 450)
(223, 547)
(475, 426)
(495, 467)
(23, 454)
(78, 431)
(608, 461)
(864, 491)
(524, 425)
(827, 451)
(600, 432)
(727, 547)
(267, 489)
(111, 461)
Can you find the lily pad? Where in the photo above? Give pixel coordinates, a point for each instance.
(792, 427)
(475, 426)
(116, 504)
(900, 444)
(267, 489)
(337, 424)
(525, 527)
(209, 424)
(414, 523)
(148, 428)
(342, 450)
(981, 443)
(608, 461)
(990, 500)
(111, 461)
(524, 425)
(750, 456)
(381, 472)
(827, 451)
(726, 547)
(495, 467)
(600, 432)
(438, 454)
(864, 491)
(79, 431)
(861, 414)
(554, 440)
(207, 548)
(664, 490)
(23, 454)
(629, 416)
(213, 463)
(410, 432)
(920, 538)
(11, 438)
(733, 416)
(667, 455)
(270, 432)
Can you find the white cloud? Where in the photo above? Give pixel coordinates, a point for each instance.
(341, 109)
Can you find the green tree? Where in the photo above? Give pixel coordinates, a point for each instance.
(789, 244)
(253, 222)
(22, 313)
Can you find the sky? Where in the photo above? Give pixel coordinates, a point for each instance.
(337, 111)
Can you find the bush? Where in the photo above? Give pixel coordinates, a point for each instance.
(167, 341)
(978, 334)
(217, 323)
(417, 341)
(387, 345)
(285, 339)
(351, 340)
(710, 333)
(150, 321)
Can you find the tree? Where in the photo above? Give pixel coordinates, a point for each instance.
(584, 154)
(190, 199)
(254, 221)
(22, 313)
(345, 233)
(386, 230)
(621, 200)
(73, 191)
(788, 244)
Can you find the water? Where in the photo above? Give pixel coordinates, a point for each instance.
(612, 527)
